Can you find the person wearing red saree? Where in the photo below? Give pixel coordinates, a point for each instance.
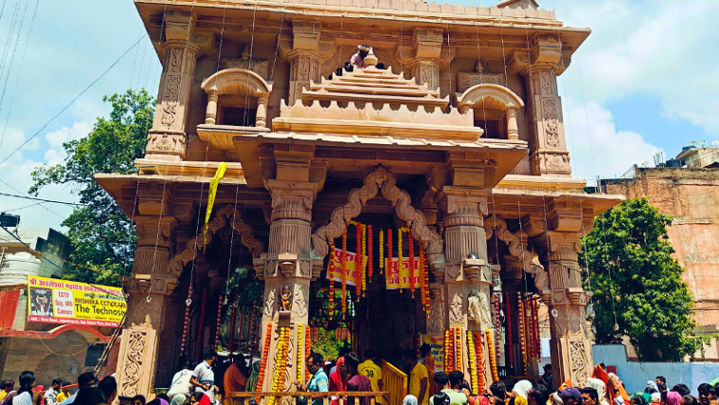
(337, 379)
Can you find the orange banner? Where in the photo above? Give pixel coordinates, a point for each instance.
(396, 278)
(334, 270)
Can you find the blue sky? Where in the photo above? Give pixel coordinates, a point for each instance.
(645, 81)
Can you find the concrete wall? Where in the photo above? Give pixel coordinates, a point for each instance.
(635, 374)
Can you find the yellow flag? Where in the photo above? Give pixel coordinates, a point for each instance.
(214, 182)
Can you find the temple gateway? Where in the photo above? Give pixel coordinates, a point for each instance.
(426, 196)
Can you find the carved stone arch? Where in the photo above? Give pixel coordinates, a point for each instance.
(224, 81)
(380, 180)
(494, 95)
(225, 216)
(518, 245)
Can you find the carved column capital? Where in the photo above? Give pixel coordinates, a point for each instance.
(304, 68)
(464, 205)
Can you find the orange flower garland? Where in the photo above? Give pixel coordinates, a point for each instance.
(389, 249)
(424, 269)
(450, 346)
(492, 358)
(344, 272)
(522, 331)
(411, 262)
(278, 380)
(370, 248)
(459, 363)
(263, 361)
(474, 383)
(381, 251)
(447, 352)
(358, 260)
(331, 293)
(301, 353)
(364, 252)
(308, 345)
(480, 362)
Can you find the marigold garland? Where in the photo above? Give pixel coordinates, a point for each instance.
(458, 360)
(472, 363)
(400, 259)
(219, 320)
(492, 358)
(358, 260)
(278, 380)
(411, 262)
(300, 353)
(522, 330)
(389, 250)
(263, 361)
(331, 292)
(535, 322)
(480, 362)
(497, 325)
(370, 248)
(448, 351)
(308, 345)
(344, 272)
(508, 316)
(381, 250)
(362, 258)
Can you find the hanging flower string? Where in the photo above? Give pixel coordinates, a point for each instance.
(370, 248)
(331, 292)
(362, 260)
(537, 337)
(301, 353)
(186, 322)
(219, 321)
(389, 249)
(278, 381)
(411, 262)
(263, 361)
(400, 259)
(459, 363)
(480, 361)
(522, 330)
(344, 273)
(448, 355)
(472, 362)
(492, 358)
(508, 316)
(358, 260)
(381, 250)
(497, 325)
(308, 345)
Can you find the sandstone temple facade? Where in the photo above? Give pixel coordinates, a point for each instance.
(457, 136)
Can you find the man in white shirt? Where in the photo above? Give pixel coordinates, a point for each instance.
(203, 377)
(50, 396)
(180, 387)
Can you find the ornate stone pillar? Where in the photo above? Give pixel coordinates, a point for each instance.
(467, 276)
(304, 57)
(571, 347)
(149, 288)
(211, 111)
(425, 65)
(548, 154)
(261, 118)
(167, 138)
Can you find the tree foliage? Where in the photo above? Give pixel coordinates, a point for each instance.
(101, 236)
(637, 285)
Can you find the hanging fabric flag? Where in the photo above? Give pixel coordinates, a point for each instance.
(214, 182)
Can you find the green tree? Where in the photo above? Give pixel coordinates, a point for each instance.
(637, 285)
(102, 238)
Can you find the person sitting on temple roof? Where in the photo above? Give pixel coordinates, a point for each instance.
(358, 58)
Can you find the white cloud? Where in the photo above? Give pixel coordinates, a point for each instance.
(64, 134)
(659, 48)
(596, 147)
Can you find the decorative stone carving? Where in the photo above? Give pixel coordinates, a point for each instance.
(379, 180)
(466, 80)
(301, 305)
(136, 359)
(223, 216)
(171, 95)
(270, 293)
(456, 307)
(304, 68)
(478, 309)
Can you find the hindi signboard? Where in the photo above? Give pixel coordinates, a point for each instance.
(69, 302)
(334, 271)
(397, 277)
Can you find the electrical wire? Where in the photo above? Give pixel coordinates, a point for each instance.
(68, 105)
(26, 197)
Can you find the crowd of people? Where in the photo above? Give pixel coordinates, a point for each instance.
(348, 373)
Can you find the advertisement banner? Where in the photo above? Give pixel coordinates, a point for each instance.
(398, 277)
(437, 344)
(69, 302)
(334, 270)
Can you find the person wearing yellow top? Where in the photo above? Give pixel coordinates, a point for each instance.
(418, 378)
(7, 387)
(371, 370)
(64, 392)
